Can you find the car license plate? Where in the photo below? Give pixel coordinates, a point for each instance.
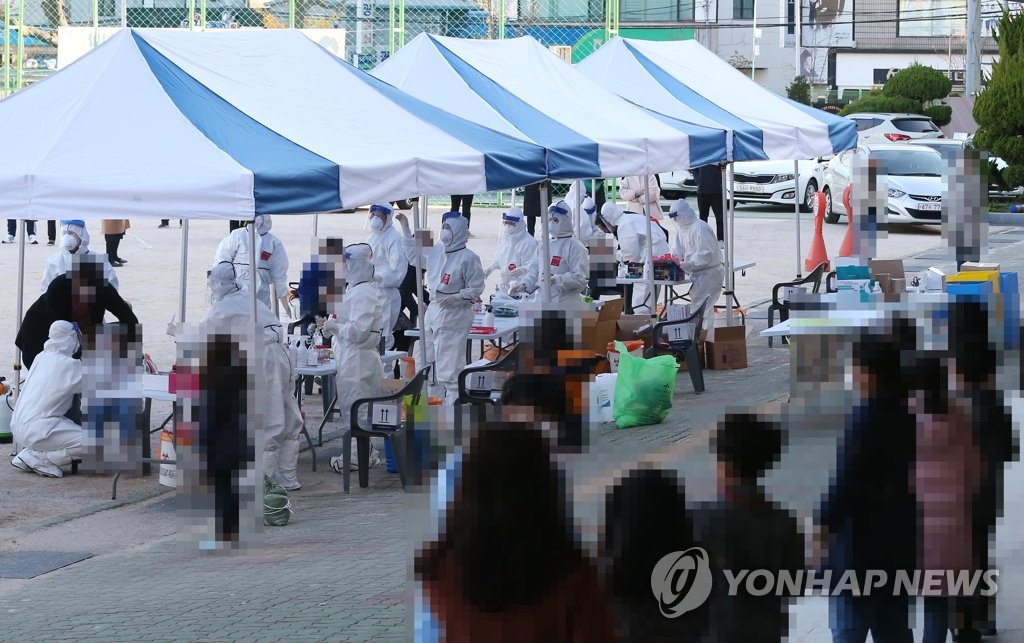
(752, 188)
(931, 207)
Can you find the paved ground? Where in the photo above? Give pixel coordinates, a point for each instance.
(339, 571)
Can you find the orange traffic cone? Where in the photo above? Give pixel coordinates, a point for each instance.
(846, 250)
(817, 252)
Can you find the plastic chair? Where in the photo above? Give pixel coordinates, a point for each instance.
(397, 436)
(686, 349)
(508, 363)
(830, 282)
(814, 278)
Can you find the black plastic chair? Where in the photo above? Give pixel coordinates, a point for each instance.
(685, 349)
(830, 282)
(814, 278)
(507, 363)
(397, 436)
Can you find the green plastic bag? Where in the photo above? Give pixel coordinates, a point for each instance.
(643, 389)
(277, 509)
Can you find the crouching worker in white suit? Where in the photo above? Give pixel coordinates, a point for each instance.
(49, 439)
(695, 247)
(231, 312)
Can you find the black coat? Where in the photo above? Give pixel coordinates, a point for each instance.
(55, 304)
(708, 178)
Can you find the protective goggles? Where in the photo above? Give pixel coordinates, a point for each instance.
(383, 209)
(557, 209)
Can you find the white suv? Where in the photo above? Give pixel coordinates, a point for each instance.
(893, 128)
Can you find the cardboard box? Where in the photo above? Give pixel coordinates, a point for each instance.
(991, 276)
(600, 328)
(728, 350)
(628, 324)
(978, 265)
(891, 267)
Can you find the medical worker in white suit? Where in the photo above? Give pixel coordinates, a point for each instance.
(517, 251)
(357, 330)
(631, 190)
(74, 240)
(271, 259)
(49, 439)
(695, 247)
(567, 262)
(630, 229)
(390, 265)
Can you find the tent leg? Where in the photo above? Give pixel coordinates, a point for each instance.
(546, 241)
(649, 267)
(23, 230)
(183, 277)
(797, 198)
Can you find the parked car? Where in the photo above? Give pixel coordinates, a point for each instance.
(678, 184)
(772, 182)
(912, 175)
(882, 128)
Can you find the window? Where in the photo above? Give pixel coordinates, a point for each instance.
(866, 123)
(914, 125)
(743, 9)
(656, 10)
(932, 18)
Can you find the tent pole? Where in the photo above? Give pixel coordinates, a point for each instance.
(652, 294)
(182, 284)
(316, 225)
(797, 197)
(546, 240)
(578, 207)
(255, 361)
(730, 257)
(418, 254)
(21, 301)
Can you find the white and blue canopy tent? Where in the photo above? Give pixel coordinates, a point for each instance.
(683, 78)
(229, 125)
(518, 87)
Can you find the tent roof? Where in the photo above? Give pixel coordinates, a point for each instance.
(683, 79)
(229, 124)
(518, 87)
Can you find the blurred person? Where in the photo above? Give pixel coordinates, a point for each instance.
(946, 477)
(630, 229)
(390, 266)
(271, 259)
(113, 361)
(82, 296)
(463, 203)
(645, 520)
(541, 586)
(744, 529)
(866, 520)
(12, 231)
(516, 253)
(697, 251)
(709, 195)
(642, 195)
(40, 424)
(567, 263)
(113, 231)
(74, 241)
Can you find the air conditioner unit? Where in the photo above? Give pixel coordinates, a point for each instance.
(562, 51)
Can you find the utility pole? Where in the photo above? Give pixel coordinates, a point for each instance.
(797, 29)
(972, 66)
(753, 40)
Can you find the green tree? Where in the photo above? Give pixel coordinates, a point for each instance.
(999, 109)
(876, 102)
(799, 90)
(919, 83)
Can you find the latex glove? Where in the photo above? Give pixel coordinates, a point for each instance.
(687, 266)
(378, 279)
(517, 288)
(557, 281)
(285, 306)
(330, 325)
(518, 272)
(404, 222)
(491, 268)
(447, 301)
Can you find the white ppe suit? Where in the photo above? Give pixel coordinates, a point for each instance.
(695, 247)
(282, 421)
(454, 287)
(357, 331)
(390, 266)
(631, 232)
(49, 439)
(517, 251)
(631, 190)
(60, 262)
(568, 263)
(271, 259)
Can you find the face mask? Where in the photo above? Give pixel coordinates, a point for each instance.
(376, 224)
(447, 237)
(553, 221)
(69, 242)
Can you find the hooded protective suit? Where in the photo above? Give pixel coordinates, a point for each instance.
(60, 263)
(454, 287)
(568, 261)
(631, 190)
(390, 266)
(357, 331)
(631, 232)
(49, 439)
(271, 259)
(517, 251)
(231, 312)
(696, 248)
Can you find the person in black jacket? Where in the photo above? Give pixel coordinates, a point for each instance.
(531, 206)
(82, 296)
(709, 195)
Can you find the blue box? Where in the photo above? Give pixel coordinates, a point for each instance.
(1008, 285)
(970, 290)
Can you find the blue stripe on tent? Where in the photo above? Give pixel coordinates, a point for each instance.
(288, 178)
(747, 139)
(842, 132)
(570, 154)
(508, 162)
(707, 145)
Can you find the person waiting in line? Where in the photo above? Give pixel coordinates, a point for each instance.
(113, 359)
(542, 586)
(463, 203)
(113, 232)
(51, 232)
(81, 296)
(531, 206)
(642, 195)
(744, 529)
(645, 520)
(517, 251)
(12, 231)
(74, 241)
(709, 195)
(40, 424)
